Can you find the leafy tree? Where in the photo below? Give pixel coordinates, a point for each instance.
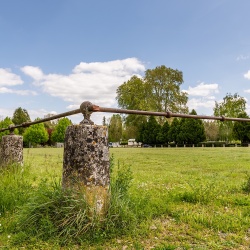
(50, 127)
(58, 134)
(191, 130)
(115, 128)
(20, 116)
(211, 130)
(150, 131)
(163, 136)
(159, 90)
(174, 130)
(231, 106)
(133, 94)
(241, 130)
(35, 134)
(164, 85)
(5, 123)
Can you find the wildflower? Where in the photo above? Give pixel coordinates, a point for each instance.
(8, 236)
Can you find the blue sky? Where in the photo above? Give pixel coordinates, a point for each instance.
(55, 54)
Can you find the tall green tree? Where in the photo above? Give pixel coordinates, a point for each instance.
(133, 94)
(163, 136)
(165, 93)
(150, 132)
(115, 128)
(231, 106)
(191, 130)
(241, 130)
(35, 134)
(20, 116)
(58, 133)
(159, 90)
(174, 130)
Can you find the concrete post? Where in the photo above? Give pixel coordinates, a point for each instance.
(11, 151)
(86, 165)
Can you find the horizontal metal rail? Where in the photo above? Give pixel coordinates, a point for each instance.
(167, 114)
(27, 124)
(87, 108)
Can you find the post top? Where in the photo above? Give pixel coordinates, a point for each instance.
(84, 108)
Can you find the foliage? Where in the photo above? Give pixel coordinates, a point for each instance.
(231, 106)
(159, 90)
(163, 136)
(191, 130)
(5, 124)
(181, 131)
(115, 128)
(241, 130)
(58, 134)
(35, 134)
(133, 94)
(149, 131)
(211, 130)
(174, 130)
(165, 94)
(20, 116)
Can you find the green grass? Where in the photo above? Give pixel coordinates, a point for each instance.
(178, 198)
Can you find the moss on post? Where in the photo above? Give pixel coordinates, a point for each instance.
(86, 165)
(11, 151)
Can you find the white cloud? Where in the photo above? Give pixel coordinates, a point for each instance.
(247, 75)
(203, 89)
(7, 78)
(195, 103)
(96, 82)
(40, 113)
(4, 90)
(34, 72)
(202, 96)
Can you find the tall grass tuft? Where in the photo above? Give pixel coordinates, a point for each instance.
(54, 213)
(14, 187)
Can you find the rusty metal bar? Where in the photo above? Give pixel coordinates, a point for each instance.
(88, 108)
(27, 124)
(95, 108)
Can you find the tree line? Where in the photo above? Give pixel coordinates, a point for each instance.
(159, 90)
(46, 133)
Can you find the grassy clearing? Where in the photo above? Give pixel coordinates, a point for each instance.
(179, 198)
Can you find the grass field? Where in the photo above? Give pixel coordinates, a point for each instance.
(178, 198)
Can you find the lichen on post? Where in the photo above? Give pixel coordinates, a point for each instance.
(86, 164)
(11, 151)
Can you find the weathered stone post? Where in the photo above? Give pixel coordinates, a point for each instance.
(11, 151)
(86, 163)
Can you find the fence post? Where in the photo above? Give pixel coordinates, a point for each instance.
(11, 149)
(86, 163)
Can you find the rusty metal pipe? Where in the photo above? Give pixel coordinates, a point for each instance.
(89, 107)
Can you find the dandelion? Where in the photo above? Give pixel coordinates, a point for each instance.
(8, 236)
